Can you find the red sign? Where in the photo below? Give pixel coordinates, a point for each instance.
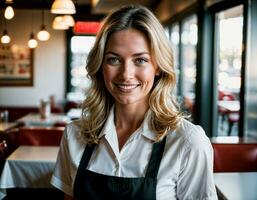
(90, 28)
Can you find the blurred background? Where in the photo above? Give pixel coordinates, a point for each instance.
(45, 43)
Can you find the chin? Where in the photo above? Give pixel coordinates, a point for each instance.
(129, 101)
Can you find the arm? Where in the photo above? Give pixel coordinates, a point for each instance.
(196, 171)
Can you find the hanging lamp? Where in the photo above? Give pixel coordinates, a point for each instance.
(5, 39)
(9, 12)
(43, 34)
(68, 19)
(59, 23)
(63, 7)
(32, 43)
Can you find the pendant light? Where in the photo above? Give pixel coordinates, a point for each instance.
(59, 23)
(63, 7)
(68, 19)
(32, 43)
(9, 12)
(5, 39)
(43, 34)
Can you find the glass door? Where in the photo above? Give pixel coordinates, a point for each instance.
(229, 36)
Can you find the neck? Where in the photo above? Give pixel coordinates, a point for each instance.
(129, 116)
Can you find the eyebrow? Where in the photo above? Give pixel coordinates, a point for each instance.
(136, 54)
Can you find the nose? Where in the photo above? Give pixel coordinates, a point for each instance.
(127, 70)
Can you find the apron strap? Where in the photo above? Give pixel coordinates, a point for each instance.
(153, 166)
(156, 157)
(83, 164)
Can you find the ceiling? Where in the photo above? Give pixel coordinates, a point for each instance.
(101, 7)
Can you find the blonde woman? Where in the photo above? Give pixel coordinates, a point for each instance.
(132, 142)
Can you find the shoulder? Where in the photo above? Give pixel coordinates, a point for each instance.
(72, 136)
(72, 129)
(190, 136)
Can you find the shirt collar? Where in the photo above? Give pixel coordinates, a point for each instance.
(109, 126)
(145, 130)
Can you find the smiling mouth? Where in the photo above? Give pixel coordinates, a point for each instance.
(126, 87)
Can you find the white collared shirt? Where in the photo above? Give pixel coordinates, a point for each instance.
(186, 169)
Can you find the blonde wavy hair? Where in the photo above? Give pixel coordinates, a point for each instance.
(165, 115)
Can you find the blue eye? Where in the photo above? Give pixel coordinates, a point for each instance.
(113, 61)
(141, 61)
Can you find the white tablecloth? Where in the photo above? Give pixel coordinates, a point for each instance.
(237, 186)
(29, 167)
(34, 119)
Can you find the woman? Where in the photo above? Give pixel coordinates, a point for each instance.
(131, 141)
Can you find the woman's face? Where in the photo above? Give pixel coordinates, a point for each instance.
(129, 68)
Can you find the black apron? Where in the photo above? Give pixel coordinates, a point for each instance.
(90, 185)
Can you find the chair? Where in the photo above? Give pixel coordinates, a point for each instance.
(3, 153)
(42, 136)
(11, 138)
(235, 157)
(3, 148)
(232, 117)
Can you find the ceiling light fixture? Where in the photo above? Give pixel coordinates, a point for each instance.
(59, 23)
(68, 19)
(32, 43)
(9, 12)
(43, 34)
(5, 39)
(63, 7)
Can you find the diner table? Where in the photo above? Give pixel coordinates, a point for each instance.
(29, 167)
(5, 126)
(34, 119)
(237, 186)
(229, 105)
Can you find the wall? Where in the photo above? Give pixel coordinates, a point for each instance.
(49, 60)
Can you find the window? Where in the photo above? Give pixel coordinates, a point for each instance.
(229, 30)
(80, 47)
(188, 61)
(174, 38)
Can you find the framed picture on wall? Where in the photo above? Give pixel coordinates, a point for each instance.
(16, 65)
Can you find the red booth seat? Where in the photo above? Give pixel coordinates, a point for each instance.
(235, 157)
(43, 136)
(3, 154)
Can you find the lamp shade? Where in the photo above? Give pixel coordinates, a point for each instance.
(68, 19)
(9, 12)
(63, 7)
(59, 23)
(5, 39)
(43, 34)
(32, 43)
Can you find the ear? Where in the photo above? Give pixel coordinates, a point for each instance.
(158, 72)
